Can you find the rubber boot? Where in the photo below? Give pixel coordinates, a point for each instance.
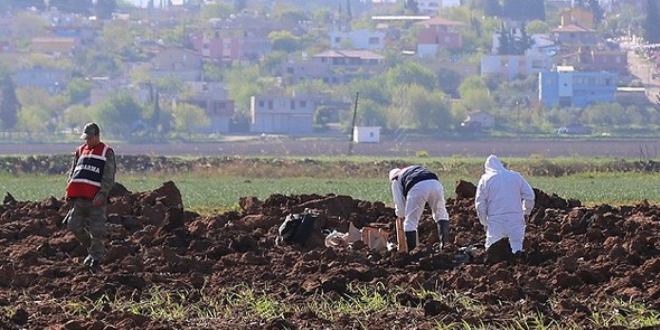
(443, 233)
(411, 240)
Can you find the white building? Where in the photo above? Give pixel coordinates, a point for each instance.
(281, 114)
(366, 134)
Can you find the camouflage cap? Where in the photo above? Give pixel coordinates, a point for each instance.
(90, 130)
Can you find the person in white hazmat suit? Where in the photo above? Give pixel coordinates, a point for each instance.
(503, 202)
(413, 187)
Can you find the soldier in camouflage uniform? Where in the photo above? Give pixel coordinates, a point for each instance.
(90, 180)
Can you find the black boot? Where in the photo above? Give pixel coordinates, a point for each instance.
(443, 232)
(411, 240)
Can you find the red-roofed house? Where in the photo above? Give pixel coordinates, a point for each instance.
(438, 33)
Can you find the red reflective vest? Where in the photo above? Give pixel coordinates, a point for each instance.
(86, 178)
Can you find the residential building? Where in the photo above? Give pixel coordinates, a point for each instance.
(593, 59)
(52, 80)
(357, 39)
(535, 59)
(450, 3)
(6, 23)
(104, 88)
(578, 15)
(566, 87)
(177, 62)
(212, 97)
(54, 45)
(509, 66)
(281, 114)
(479, 119)
(334, 67)
(438, 33)
(230, 44)
(431, 7)
(575, 35)
(6, 46)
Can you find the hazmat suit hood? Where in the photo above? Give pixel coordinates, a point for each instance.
(394, 173)
(493, 164)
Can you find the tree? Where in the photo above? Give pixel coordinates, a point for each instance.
(9, 104)
(512, 43)
(284, 41)
(370, 89)
(155, 110)
(76, 116)
(188, 117)
(20, 5)
(73, 6)
(37, 103)
(505, 39)
(369, 113)
(536, 27)
(119, 113)
(410, 73)
(216, 10)
(242, 84)
(448, 81)
(523, 42)
(212, 72)
(240, 5)
(78, 90)
(412, 6)
(492, 8)
(105, 8)
(27, 25)
(429, 110)
(650, 27)
(523, 10)
(597, 10)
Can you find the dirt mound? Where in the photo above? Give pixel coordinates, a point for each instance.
(575, 255)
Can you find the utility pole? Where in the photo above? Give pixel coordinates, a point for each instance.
(350, 143)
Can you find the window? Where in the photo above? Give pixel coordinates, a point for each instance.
(303, 104)
(374, 40)
(292, 104)
(270, 105)
(261, 104)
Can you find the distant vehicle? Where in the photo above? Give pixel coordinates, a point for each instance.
(574, 129)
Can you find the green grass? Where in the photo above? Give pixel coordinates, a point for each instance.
(207, 192)
(363, 304)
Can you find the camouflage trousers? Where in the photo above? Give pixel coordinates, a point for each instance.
(87, 222)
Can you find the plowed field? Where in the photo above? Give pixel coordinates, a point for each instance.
(576, 258)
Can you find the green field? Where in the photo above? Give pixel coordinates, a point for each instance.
(205, 192)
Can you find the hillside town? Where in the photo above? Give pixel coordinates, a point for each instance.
(161, 70)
